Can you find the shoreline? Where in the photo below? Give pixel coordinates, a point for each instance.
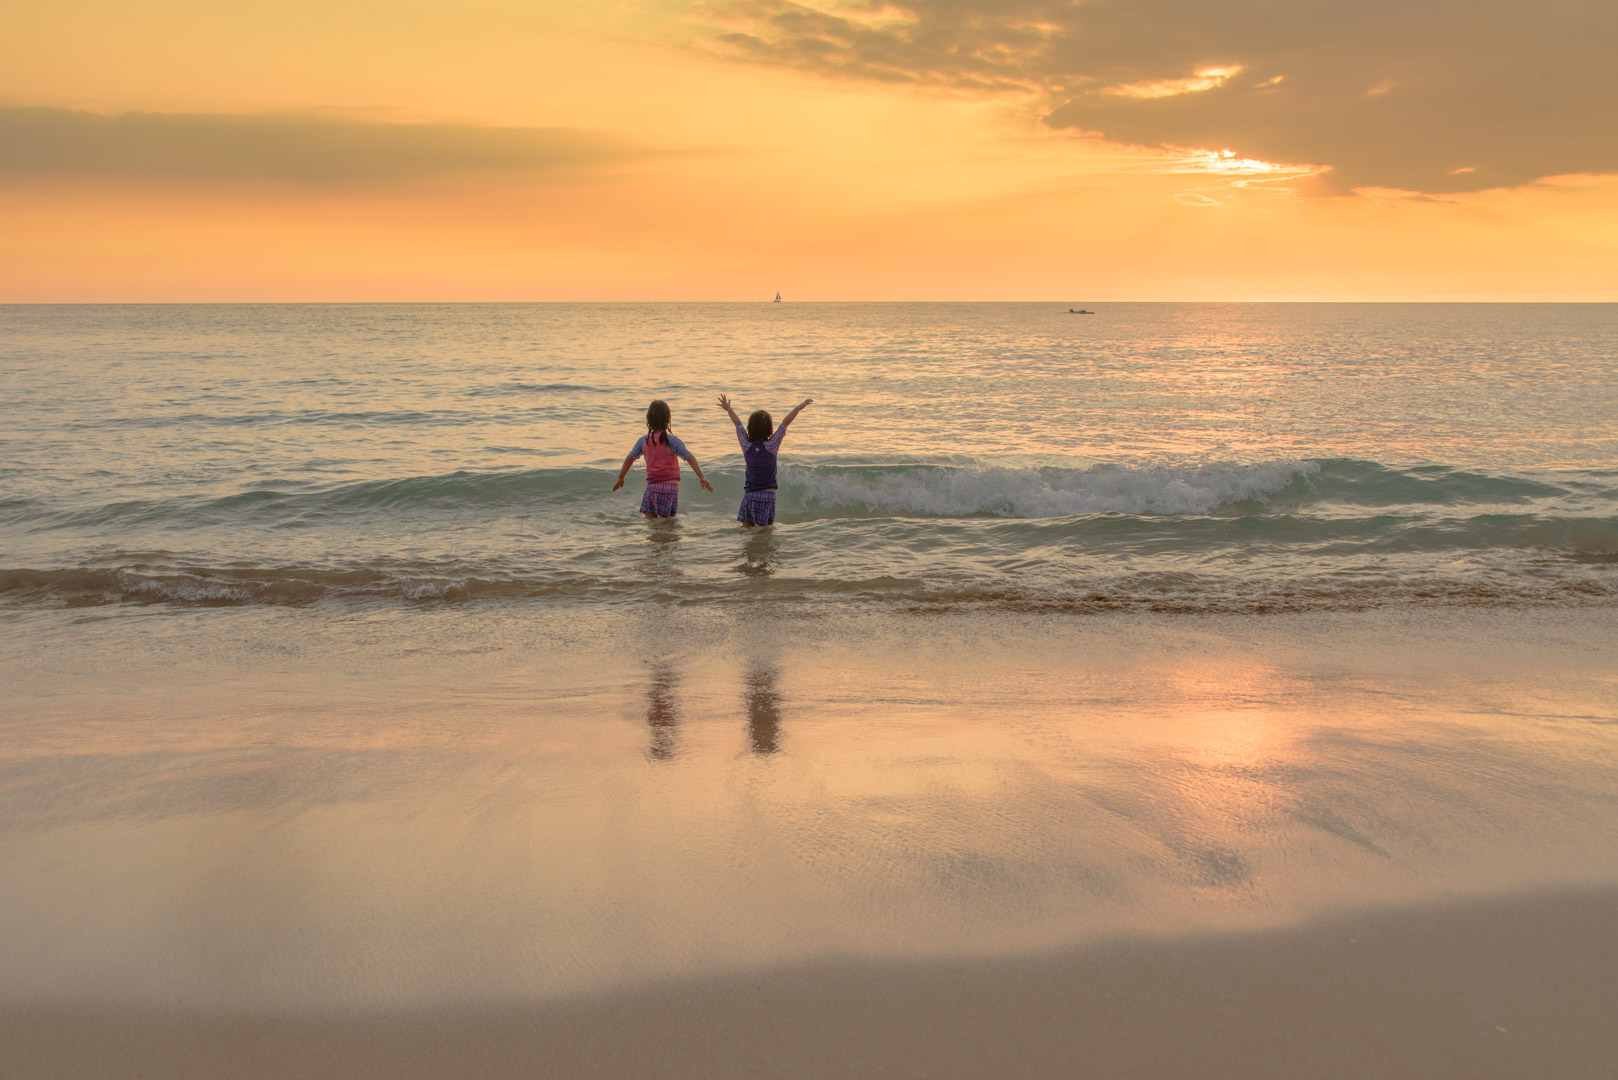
(1503, 987)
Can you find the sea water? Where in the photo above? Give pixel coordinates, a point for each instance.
(1163, 457)
(334, 675)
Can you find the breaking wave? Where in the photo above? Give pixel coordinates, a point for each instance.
(809, 492)
(1279, 535)
(944, 491)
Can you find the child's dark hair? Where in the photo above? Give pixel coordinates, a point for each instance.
(657, 420)
(759, 426)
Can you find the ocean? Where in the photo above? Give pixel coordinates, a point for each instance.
(1157, 457)
(336, 682)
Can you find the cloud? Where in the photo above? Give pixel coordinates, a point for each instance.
(285, 148)
(1420, 95)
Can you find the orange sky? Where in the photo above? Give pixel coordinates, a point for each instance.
(652, 150)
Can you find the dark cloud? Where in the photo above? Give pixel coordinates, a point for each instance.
(1425, 95)
(292, 149)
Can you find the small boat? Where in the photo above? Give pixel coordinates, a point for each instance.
(1079, 311)
(777, 299)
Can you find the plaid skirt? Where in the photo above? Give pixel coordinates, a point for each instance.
(661, 498)
(758, 508)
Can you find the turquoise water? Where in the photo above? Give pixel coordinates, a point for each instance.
(1161, 457)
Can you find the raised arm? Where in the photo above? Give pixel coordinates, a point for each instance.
(793, 415)
(741, 433)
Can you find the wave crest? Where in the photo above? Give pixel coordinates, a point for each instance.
(1323, 489)
(946, 491)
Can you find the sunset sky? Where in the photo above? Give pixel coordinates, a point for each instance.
(937, 149)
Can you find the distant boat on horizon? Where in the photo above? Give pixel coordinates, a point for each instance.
(777, 299)
(1070, 311)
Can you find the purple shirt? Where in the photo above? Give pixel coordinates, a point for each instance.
(760, 458)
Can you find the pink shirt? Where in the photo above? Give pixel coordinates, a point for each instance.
(662, 458)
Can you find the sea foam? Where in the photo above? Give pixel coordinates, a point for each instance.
(944, 491)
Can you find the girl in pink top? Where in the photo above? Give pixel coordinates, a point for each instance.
(663, 453)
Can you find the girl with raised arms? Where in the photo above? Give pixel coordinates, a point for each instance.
(760, 445)
(662, 452)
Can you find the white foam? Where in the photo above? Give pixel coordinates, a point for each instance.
(424, 589)
(1046, 493)
(189, 591)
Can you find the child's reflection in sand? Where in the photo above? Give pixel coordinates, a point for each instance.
(663, 714)
(763, 710)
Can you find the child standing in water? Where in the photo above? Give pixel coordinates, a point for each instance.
(663, 452)
(760, 445)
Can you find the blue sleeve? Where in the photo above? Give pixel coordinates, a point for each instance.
(741, 435)
(678, 447)
(774, 441)
(640, 447)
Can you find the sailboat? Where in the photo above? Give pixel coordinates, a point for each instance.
(777, 299)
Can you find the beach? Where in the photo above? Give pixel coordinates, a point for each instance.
(800, 539)
(1424, 992)
(350, 725)
(1486, 989)
(1221, 846)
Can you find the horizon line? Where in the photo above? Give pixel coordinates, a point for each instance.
(764, 302)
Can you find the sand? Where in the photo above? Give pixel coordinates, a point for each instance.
(483, 843)
(1506, 987)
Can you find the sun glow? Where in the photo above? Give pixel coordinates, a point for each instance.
(1230, 163)
(878, 150)
(1207, 78)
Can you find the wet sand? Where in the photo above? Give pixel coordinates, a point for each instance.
(488, 842)
(1507, 987)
